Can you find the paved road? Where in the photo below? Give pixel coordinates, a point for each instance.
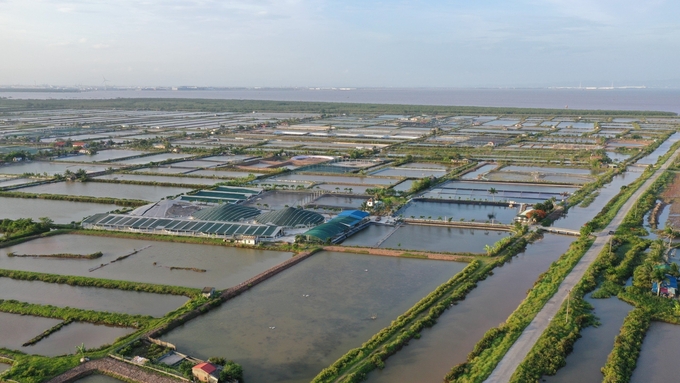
(529, 337)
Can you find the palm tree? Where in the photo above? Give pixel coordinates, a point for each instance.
(670, 233)
(658, 275)
(493, 193)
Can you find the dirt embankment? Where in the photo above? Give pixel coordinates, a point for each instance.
(400, 253)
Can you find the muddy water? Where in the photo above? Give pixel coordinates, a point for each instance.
(446, 344)
(74, 334)
(96, 189)
(421, 237)
(591, 350)
(59, 211)
(345, 290)
(658, 361)
(19, 329)
(89, 298)
(226, 266)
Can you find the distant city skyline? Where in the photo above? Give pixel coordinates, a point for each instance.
(300, 43)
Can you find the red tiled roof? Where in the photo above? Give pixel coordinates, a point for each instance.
(207, 367)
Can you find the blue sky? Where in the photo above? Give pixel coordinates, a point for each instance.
(340, 43)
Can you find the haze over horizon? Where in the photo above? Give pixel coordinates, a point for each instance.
(302, 43)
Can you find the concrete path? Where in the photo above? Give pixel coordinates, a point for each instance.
(529, 337)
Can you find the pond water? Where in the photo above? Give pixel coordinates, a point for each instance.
(473, 175)
(425, 237)
(225, 266)
(617, 156)
(480, 213)
(410, 173)
(59, 211)
(332, 179)
(423, 165)
(4, 182)
(152, 158)
(479, 190)
(457, 331)
(166, 169)
(355, 188)
(160, 179)
(19, 329)
(591, 350)
(310, 332)
(222, 173)
(340, 201)
(652, 157)
(658, 362)
(98, 379)
(104, 155)
(51, 168)
(74, 334)
(577, 216)
(531, 169)
(97, 189)
(4, 367)
(90, 298)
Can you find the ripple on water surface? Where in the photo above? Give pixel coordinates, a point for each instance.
(290, 327)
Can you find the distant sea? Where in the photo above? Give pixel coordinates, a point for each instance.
(607, 99)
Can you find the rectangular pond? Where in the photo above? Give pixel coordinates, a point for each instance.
(225, 266)
(426, 237)
(409, 172)
(97, 189)
(291, 326)
(458, 211)
(90, 298)
(74, 334)
(59, 211)
(479, 190)
(160, 179)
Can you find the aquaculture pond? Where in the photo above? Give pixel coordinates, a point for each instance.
(152, 158)
(457, 331)
(277, 199)
(479, 190)
(4, 367)
(98, 379)
(160, 179)
(90, 298)
(459, 211)
(74, 334)
(652, 157)
(51, 168)
(345, 188)
(657, 362)
(592, 348)
(19, 329)
(5, 182)
(104, 155)
(222, 173)
(409, 172)
(332, 179)
(291, 326)
(342, 202)
(426, 237)
(224, 266)
(59, 211)
(99, 189)
(475, 174)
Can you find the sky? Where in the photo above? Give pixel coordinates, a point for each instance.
(302, 43)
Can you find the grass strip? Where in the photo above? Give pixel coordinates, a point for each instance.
(99, 282)
(76, 198)
(95, 255)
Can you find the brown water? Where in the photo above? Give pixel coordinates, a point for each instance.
(591, 350)
(90, 298)
(422, 237)
(226, 266)
(457, 331)
(98, 379)
(310, 333)
(97, 189)
(658, 362)
(59, 211)
(74, 334)
(4, 367)
(19, 329)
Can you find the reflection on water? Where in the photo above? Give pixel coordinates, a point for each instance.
(658, 361)
(591, 350)
(225, 266)
(293, 325)
(423, 237)
(457, 331)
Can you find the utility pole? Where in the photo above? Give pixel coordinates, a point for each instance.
(568, 299)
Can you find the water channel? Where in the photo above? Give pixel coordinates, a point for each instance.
(225, 266)
(658, 363)
(457, 331)
(293, 325)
